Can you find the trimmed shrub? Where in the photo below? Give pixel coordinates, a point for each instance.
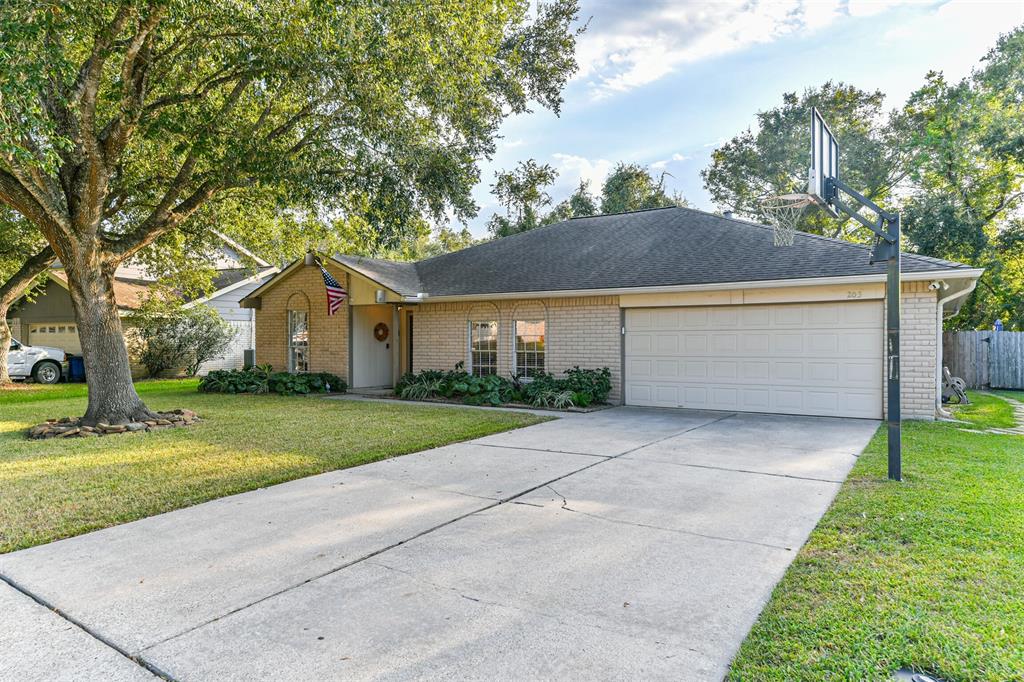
(262, 379)
(580, 388)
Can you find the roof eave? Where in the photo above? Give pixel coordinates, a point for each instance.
(950, 273)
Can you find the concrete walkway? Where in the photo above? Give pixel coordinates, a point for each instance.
(623, 544)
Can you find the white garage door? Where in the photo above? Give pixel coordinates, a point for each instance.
(63, 336)
(812, 358)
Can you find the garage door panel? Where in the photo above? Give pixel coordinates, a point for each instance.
(755, 400)
(639, 319)
(755, 317)
(724, 343)
(862, 315)
(55, 335)
(756, 370)
(666, 394)
(639, 342)
(861, 372)
(695, 369)
(666, 368)
(695, 395)
(666, 344)
(638, 394)
(790, 344)
(755, 342)
(666, 319)
(863, 343)
(816, 358)
(823, 371)
(789, 371)
(823, 343)
(640, 368)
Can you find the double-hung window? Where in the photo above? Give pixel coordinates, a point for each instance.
(298, 341)
(529, 347)
(483, 348)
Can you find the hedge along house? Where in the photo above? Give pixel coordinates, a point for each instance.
(688, 309)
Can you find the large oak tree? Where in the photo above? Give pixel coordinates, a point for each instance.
(121, 119)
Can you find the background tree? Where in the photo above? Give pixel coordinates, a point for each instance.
(24, 257)
(631, 187)
(123, 118)
(772, 158)
(966, 184)
(579, 204)
(522, 192)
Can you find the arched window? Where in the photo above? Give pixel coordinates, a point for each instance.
(298, 333)
(483, 347)
(529, 346)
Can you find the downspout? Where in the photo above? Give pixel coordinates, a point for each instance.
(940, 411)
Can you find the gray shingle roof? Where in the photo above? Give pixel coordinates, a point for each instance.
(654, 248)
(399, 277)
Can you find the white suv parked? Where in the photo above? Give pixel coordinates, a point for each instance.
(45, 365)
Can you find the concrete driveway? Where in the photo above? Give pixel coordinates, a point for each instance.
(622, 544)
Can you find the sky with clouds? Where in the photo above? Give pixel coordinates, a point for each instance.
(663, 82)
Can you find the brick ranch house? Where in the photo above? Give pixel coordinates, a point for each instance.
(687, 309)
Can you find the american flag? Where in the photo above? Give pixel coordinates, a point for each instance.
(336, 295)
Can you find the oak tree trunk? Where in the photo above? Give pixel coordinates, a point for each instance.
(5, 343)
(112, 395)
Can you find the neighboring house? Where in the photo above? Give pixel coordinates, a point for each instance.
(687, 309)
(49, 319)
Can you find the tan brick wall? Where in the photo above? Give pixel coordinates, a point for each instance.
(918, 311)
(328, 335)
(579, 331)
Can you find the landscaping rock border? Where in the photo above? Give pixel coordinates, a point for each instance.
(68, 427)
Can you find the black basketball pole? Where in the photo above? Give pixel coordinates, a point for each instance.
(892, 334)
(887, 248)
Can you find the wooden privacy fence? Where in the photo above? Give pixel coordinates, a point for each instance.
(985, 359)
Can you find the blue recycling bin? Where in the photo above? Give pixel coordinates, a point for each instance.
(76, 368)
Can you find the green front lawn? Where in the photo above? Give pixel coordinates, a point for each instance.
(928, 573)
(57, 488)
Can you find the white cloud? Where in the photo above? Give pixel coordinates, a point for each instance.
(663, 163)
(631, 44)
(512, 144)
(571, 169)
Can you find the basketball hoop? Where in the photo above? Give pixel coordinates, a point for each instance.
(784, 211)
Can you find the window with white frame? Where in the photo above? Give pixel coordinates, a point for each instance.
(529, 347)
(298, 341)
(483, 348)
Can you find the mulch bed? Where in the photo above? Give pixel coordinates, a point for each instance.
(67, 427)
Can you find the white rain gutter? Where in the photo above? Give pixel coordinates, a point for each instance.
(959, 273)
(939, 409)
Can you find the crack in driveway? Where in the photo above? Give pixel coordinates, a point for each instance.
(137, 656)
(512, 607)
(449, 522)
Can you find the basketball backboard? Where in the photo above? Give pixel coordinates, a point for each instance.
(824, 163)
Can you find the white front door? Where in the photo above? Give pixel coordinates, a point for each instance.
(802, 358)
(372, 357)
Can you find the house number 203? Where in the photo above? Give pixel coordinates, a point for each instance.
(854, 294)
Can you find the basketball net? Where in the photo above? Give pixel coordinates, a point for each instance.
(784, 211)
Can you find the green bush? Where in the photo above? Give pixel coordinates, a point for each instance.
(166, 336)
(580, 387)
(262, 379)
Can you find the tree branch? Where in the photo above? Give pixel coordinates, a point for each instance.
(15, 194)
(134, 70)
(20, 281)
